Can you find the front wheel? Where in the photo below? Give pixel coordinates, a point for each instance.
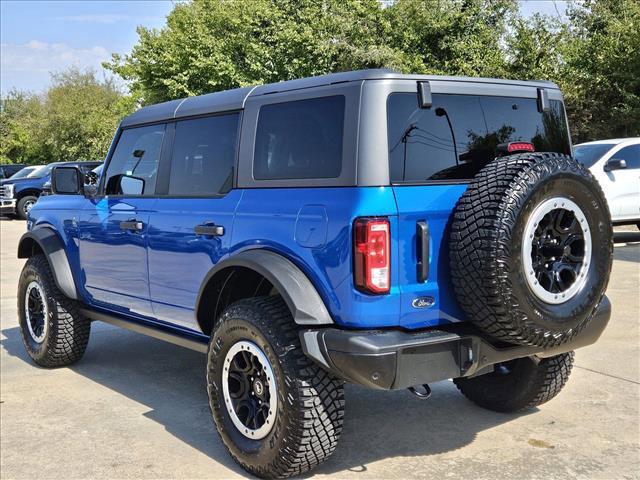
(277, 412)
(519, 384)
(54, 332)
(24, 206)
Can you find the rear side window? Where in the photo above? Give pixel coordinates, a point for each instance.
(300, 139)
(136, 155)
(460, 134)
(203, 155)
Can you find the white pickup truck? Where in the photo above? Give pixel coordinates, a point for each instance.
(616, 165)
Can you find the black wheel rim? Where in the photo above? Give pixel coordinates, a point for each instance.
(249, 390)
(36, 311)
(558, 251)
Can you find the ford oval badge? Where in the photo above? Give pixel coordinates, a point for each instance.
(423, 302)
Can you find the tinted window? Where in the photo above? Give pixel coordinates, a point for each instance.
(460, 134)
(23, 173)
(136, 155)
(631, 155)
(587, 155)
(42, 171)
(301, 139)
(203, 156)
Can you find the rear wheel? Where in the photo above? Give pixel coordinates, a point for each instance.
(518, 384)
(277, 412)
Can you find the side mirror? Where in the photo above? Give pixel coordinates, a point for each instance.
(131, 185)
(67, 181)
(125, 185)
(615, 164)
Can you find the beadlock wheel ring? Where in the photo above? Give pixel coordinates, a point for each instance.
(36, 312)
(249, 390)
(556, 250)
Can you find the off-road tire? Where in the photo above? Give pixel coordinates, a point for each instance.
(486, 262)
(310, 407)
(20, 213)
(67, 331)
(531, 382)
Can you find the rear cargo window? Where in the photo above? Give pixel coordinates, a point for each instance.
(300, 139)
(460, 134)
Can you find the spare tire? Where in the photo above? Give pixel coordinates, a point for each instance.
(531, 249)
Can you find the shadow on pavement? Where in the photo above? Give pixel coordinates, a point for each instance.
(628, 253)
(170, 381)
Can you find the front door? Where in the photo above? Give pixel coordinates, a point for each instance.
(114, 226)
(627, 184)
(190, 229)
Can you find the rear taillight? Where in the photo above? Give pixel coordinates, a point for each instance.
(372, 258)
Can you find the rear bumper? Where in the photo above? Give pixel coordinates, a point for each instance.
(393, 359)
(7, 205)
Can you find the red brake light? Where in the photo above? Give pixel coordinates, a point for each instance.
(520, 147)
(372, 259)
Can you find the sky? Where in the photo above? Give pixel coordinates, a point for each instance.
(39, 37)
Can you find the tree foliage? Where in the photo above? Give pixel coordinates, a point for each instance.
(602, 75)
(593, 53)
(210, 45)
(75, 119)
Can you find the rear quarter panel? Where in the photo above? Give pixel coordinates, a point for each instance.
(313, 228)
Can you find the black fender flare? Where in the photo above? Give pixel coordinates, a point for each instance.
(300, 295)
(53, 248)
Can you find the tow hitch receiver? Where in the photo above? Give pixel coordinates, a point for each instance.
(421, 391)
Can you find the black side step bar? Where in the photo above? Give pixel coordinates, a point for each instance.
(186, 339)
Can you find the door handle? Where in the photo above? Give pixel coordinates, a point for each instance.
(209, 230)
(133, 225)
(422, 249)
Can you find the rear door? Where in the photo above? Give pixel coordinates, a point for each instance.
(193, 219)
(433, 153)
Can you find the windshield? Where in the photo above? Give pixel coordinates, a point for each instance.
(42, 171)
(23, 173)
(587, 155)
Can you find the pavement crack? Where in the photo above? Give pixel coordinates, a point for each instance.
(607, 374)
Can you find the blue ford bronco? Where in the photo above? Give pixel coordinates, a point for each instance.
(382, 229)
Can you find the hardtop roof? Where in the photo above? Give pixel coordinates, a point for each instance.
(235, 99)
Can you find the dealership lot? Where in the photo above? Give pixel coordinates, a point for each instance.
(136, 407)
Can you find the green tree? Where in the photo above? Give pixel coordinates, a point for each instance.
(21, 116)
(81, 115)
(594, 55)
(211, 45)
(601, 80)
(451, 37)
(73, 120)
